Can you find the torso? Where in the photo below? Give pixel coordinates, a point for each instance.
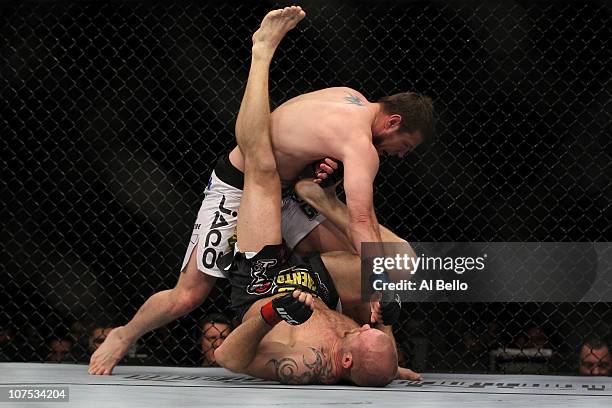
(315, 125)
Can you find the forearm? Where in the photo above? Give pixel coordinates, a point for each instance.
(360, 167)
(240, 348)
(336, 211)
(363, 229)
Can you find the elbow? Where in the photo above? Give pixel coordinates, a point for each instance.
(224, 359)
(220, 356)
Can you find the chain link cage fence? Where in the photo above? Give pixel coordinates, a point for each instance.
(112, 115)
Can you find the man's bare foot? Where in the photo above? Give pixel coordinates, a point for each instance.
(317, 197)
(109, 353)
(274, 27)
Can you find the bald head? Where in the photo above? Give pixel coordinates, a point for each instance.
(372, 355)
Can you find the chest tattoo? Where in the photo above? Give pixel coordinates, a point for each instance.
(317, 369)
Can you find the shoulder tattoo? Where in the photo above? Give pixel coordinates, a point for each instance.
(316, 371)
(353, 99)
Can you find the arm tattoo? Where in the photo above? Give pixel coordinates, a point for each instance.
(317, 372)
(354, 100)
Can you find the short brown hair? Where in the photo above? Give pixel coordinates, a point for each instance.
(416, 110)
(594, 343)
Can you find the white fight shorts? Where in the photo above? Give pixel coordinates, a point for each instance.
(214, 232)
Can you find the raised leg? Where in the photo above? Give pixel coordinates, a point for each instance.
(327, 203)
(259, 215)
(259, 219)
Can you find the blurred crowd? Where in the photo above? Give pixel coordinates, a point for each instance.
(481, 351)
(486, 348)
(78, 344)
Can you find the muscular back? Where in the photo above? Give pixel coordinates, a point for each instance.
(316, 125)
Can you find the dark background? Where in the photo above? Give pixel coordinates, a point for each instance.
(113, 114)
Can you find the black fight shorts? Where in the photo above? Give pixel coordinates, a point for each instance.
(272, 271)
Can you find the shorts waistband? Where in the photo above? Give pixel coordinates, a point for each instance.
(229, 174)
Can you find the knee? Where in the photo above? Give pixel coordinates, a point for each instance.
(185, 300)
(262, 164)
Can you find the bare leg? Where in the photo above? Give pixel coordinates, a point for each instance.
(163, 307)
(327, 203)
(345, 267)
(261, 180)
(325, 237)
(259, 215)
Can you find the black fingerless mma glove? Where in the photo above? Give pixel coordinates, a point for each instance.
(390, 306)
(285, 308)
(390, 303)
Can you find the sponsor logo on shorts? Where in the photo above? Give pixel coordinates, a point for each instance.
(261, 283)
(214, 237)
(295, 278)
(231, 241)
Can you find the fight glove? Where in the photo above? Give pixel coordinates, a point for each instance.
(390, 307)
(390, 302)
(285, 308)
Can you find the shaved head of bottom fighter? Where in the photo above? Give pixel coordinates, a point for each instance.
(368, 357)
